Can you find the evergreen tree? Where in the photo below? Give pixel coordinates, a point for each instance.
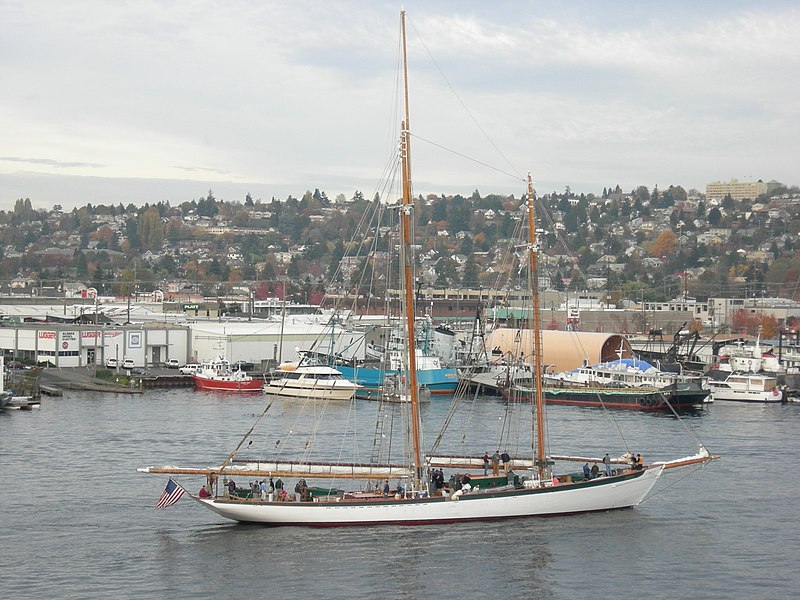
(470, 277)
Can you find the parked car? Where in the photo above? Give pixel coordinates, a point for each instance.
(190, 369)
(172, 363)
(15, 364)
(112, 363)
(128, 363)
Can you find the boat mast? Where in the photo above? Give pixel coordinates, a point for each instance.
(533, 278)
(407, 211)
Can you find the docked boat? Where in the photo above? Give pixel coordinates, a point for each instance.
(6, 396)
(624, 383)
(419, 493)
(309, 381)
(218, 376)
(372, 380)
(746, 373)
(743, 387)
(382, 365)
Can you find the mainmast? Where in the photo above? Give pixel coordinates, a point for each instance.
(408, 267)
(533, 278)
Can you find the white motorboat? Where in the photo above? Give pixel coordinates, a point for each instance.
(743, 387)
(309, 381)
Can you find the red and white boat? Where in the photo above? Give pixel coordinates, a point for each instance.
(217, 375)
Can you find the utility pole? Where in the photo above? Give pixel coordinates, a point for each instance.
(95, 334)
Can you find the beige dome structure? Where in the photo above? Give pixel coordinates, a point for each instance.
(563, 350)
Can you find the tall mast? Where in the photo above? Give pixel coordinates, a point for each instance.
(533, 278)
(408, 267)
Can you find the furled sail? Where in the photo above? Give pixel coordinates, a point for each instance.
(290, 469)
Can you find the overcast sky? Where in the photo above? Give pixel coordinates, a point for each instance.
(107, 102)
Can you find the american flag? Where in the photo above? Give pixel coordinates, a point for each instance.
(171, 494)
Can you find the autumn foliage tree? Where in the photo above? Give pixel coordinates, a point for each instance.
(744, 321)
(664, 245)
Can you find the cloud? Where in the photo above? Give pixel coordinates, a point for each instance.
(304, 94)
(48, 162)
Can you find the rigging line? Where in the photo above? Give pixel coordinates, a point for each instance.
(309, 445)
(683, 422)
(688, 474)
(610, 414)
(469, 158)
(454, 404)
(351, 414)
(463, 105)
(551, 222)
(246, 435)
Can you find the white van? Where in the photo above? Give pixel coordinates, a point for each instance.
(189, 369)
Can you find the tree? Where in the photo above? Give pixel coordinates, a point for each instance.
(459, 212)
(446, 270)
(743, 321)
(294, 268)
(664, 245)
(470, 278)
(728, 203)
(714, 216)
(81, 264)
(150, 229)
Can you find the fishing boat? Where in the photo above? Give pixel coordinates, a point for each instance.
(291, 380)
(418, 494)
(371, 380)
(383, 365)
(218, 376)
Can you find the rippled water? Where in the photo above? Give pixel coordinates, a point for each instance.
(78, 521)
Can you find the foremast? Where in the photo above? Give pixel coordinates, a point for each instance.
(540, 452)
(408, 267)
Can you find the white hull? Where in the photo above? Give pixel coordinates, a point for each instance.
(745, 387)
(310, 382)
(746, 396)
(287, 390)
(600, 494)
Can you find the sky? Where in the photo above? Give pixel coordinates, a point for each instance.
(148, 101)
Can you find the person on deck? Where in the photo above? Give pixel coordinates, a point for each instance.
(302, 489)
(386, 488)
(263, 488)
(298, 490)
(639, 461)
(586, 471)
(231, 487)
(595, 471)
(506, 458)
(607, 463)
(496, 463)
(485, 463)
